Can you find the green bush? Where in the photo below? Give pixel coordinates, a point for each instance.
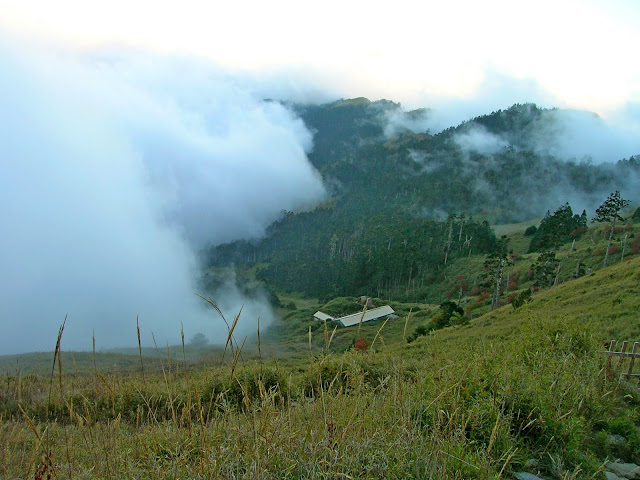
(521, 298)
(291, 306)
(420, 331)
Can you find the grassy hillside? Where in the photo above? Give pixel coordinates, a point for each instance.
(514, 390)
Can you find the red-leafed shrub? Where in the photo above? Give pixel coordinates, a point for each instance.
(617, 229)
(483, 296)
(577, 232)
(362, 344)
(513, 285)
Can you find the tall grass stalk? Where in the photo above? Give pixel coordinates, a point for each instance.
(230, 328)
(184, 358)
(259, 342)
(56, 355)
(406, 324)
(364, 310)
(230, 337)
(335, 328)
(140, 347)
(378, 333)
(93, 347)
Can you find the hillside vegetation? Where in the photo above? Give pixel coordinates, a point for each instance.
(514, 390)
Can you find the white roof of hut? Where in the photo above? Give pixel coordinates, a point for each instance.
(373, 314)
(322, 316)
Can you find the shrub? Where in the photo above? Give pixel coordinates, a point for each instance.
(198, 340)
(291, 306)
(421, 314)
(530, 231)
(483, 296)
(607, 229)
(521, 298)
(361, 344)
(461, 282)
(420, 331)
(627, 447)
(474, 306)
(437, 318)
(459, 318)
(341, 306)
(577, 232)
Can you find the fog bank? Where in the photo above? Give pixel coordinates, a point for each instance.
(116, 169)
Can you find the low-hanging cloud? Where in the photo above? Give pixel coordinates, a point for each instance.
(564, 134)
(568, 134)
(477, 139)
(117, 168)
(498, 90)
(397, 121)
(575, 134)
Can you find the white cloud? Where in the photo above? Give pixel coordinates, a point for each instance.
(578, 135)
(116, 170)
(478, 140)
(579, 51)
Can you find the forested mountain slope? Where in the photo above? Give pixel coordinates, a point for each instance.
(403, 207)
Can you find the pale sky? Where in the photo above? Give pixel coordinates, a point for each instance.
(578, 54)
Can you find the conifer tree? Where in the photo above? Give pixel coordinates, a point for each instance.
(609, 211)
(545, 269)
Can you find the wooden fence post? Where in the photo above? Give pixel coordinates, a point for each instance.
(632, 355)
